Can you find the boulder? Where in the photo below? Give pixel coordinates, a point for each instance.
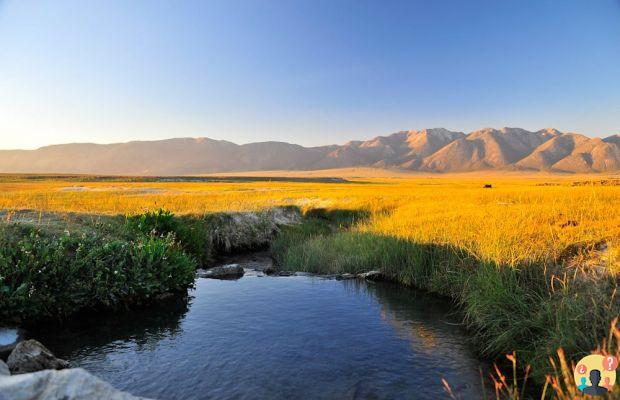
(68, 384)
(31, 356)
(4, 369)
(371, 275)
(270, 270)
(223, 272)
(9, 337)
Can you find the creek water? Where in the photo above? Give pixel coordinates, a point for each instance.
(260, 337)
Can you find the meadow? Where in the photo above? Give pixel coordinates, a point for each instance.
(532, 261)
(520, 220)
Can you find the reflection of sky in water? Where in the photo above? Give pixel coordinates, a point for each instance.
(425, 322)
(7, 336)
(280, 338)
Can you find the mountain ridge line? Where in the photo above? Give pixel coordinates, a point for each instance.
(426, 150)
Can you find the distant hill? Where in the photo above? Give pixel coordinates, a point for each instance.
(427, 150)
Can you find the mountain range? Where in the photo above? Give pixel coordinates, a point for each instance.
(427, 150)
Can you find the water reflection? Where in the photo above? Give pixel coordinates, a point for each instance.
(278, 338)
(427, 323)
(144, 327)
(415, 315)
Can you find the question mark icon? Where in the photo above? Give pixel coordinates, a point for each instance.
(610, 363)
(581, 369)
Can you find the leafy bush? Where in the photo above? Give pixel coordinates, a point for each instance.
(192, 232)
(160, 221)
(44, 276)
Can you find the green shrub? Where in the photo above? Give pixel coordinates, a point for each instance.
(54, 276)
(192, 232)
(160, 221)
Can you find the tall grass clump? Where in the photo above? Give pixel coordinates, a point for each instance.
(512, 382)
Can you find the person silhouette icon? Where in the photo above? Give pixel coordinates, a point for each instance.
(583, 384)
(595, 379)
(608, 384)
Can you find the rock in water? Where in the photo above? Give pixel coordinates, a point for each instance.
(223, 272)
(31, 356)
(68, 384)
(271, 270)
(4, 369)
(371, 275)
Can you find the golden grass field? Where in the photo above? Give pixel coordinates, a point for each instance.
(519, 219)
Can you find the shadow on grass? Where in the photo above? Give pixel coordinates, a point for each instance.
(338, 217)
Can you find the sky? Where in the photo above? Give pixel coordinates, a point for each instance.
(311, 72)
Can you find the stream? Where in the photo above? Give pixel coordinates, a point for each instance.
(261, 337)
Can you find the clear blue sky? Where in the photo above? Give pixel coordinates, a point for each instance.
(311, 72)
